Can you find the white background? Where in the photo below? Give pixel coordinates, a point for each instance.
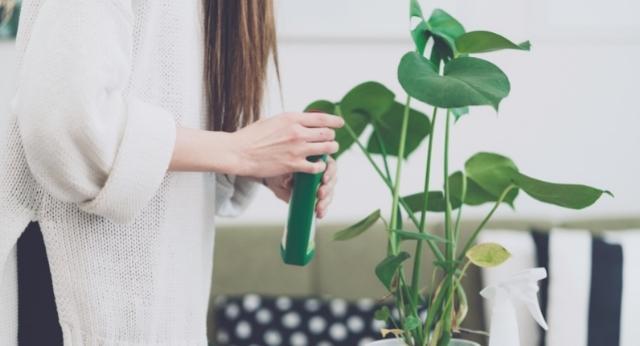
(571, 115)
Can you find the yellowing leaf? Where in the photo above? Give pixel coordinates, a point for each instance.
(488, 255)
(396, 332)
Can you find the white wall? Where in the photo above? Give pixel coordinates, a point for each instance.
(571, 116)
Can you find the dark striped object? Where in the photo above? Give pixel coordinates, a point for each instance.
(605, 294)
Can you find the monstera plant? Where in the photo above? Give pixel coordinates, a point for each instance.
(444, 72)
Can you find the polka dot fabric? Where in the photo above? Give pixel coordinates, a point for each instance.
(254, 320)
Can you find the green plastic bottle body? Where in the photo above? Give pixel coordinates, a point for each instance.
(298, 245)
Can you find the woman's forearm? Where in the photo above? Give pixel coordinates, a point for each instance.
(269, 147)
(205, 151)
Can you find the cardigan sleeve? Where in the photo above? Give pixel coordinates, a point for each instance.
(86, 139)
(233, 194)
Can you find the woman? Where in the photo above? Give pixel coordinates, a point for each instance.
(108, 154)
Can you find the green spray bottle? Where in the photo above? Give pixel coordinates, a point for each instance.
(298, 241)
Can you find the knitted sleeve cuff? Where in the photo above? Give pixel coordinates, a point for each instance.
(234, 194)
(140, 165)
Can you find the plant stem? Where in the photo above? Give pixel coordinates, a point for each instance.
(475, 233)
(432, 312)
(402, 315)
(449, 236)
(417, 262)
(432, 245)
(383, 149)
(396, 187)
(463, 197)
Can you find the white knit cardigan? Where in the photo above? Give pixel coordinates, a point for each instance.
(101, 87)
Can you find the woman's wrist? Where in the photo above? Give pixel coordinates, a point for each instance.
(208, 151)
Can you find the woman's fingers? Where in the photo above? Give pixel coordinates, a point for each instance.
(323, 205)
(320, 120)
(306, 166)
(326, 190)
(321, 148)
(330, 173)
(319, 134)
(287, 182)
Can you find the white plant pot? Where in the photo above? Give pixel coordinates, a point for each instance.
(399, 342)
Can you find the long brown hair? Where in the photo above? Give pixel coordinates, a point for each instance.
(240, 39)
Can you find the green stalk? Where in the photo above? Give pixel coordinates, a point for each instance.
(417, 261)
(463, 197)
(475, 233)
(432, 312)
(449, 253)
(402, 315)
(434, 248)
(396, 188)
(383, 149)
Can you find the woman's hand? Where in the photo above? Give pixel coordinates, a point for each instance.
(325, 192)
(280, 145)
(281, 186)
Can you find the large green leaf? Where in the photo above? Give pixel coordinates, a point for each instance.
(466, 82)
(488, 255)
(389, 126)
(486, 41)
(370, 98)
(358, 228)
(565, 195)
(492, 172)
(386, 270)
